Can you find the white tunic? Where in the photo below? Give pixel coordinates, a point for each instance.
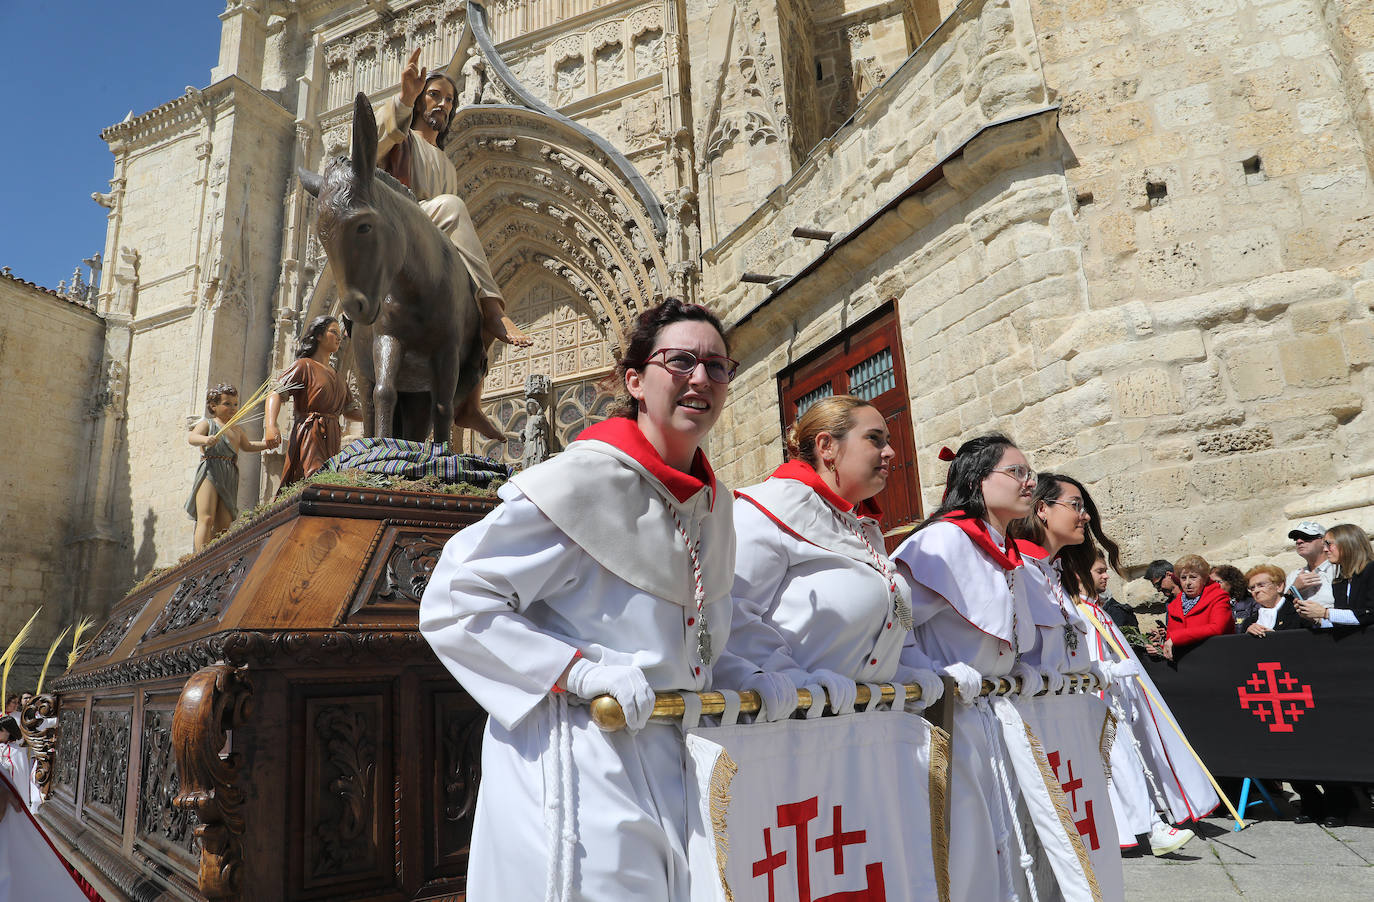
(1056, 616)
(808, 593)
(511, 600)
(965, 612)
(1172, 770)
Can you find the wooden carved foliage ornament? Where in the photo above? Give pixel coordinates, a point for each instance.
(216, 699)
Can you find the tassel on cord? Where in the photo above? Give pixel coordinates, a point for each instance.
(559, 824)
(999, 769)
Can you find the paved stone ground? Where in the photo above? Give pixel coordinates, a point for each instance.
(1272, 860)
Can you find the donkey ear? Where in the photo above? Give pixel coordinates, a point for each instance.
(364, 139)
(309, 181)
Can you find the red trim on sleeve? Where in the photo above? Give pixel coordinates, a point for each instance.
(556, 688)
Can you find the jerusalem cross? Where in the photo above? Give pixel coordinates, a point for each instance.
(1087, 825)
(798, 816)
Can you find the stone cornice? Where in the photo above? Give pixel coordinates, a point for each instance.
(186, 112)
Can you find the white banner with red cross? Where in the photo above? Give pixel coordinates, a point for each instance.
(839, 809)
(1075, 736)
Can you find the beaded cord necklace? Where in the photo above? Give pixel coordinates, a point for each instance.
(698, 590)
(900, 607)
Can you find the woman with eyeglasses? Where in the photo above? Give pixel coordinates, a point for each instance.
(972, 619)
(1152, 771)
(606, 570)
(817, 602)
(1352, 591)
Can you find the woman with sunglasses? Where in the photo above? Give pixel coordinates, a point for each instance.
(817, 602)
(972, 618)
(606, 570)
(1152, 769)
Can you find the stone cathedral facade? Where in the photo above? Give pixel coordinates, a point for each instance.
(1137, 236)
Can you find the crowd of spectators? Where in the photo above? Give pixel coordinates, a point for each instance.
(1332, 588)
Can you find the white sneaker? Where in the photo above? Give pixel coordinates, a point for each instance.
(1165, 839)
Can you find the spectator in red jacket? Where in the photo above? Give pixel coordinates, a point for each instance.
(1200, 610)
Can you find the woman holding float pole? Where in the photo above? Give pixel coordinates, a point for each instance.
(606, 570)
(817, 602)
(1055, 538)
(972, 618)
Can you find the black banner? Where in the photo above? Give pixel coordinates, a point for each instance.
(1291, 705)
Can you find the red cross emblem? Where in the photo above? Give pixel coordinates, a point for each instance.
(798, 816)
(1276, 699)
(1087, 825)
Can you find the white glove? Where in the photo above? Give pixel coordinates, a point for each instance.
(968, 681)
(841, 689)
(1103, 671)
(623, 682)
(776, 691)
(1123, 670)
(1032, 683)
(932, 687)
(1054, 682)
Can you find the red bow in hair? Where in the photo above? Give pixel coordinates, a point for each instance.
(946, 454)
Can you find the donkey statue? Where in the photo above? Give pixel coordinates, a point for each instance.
(416, 328)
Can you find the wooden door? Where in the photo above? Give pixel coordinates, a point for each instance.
(865, 361)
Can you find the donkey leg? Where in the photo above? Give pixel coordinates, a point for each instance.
(444, 369)
(386, 359)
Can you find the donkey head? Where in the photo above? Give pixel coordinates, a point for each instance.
(365, 247)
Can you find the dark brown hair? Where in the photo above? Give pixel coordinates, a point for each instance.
(1076, 561)
(973, 463)
(418, 109)
(309, 342)
(639, 344)
(216, 394)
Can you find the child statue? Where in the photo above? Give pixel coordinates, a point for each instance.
(214, 494)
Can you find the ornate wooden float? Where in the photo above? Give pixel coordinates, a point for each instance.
(266, 722)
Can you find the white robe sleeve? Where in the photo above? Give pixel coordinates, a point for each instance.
(472, 612)
(761, 564)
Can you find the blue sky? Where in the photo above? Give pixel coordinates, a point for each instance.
(70, 68)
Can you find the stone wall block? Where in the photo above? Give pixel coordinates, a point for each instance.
(1357, 340)
(1146, 393)
(1244, 254)
(1257, 438)
(1049, 381)
(1175, 268)
(1313, 360)
(1181, 346)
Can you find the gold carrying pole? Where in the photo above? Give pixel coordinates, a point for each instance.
(607, 714)
(1168, 715)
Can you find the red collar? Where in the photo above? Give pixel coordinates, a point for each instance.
(806, 474)
(1030, 549)
(624, 433)
(1007, 557)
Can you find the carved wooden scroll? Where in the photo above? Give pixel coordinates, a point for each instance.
(41, 742)
(215, 700)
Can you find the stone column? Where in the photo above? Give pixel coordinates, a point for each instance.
(242, 40)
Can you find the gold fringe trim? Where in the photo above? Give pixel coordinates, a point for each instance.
(1061, 806)
(939, 793)
(1104, 747)
(722, 774)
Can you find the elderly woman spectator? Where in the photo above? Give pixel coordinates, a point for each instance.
(1200, 610)
(1272, 610)
(1352, 590)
